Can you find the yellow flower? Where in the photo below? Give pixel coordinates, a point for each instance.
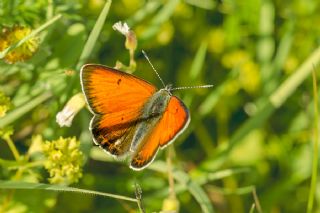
(5, 104)
(290, 64)
(171, 204)
(64, 160)
(166, 33)
(216, 42)
(235, 59)
(249, 77)
(23, 52)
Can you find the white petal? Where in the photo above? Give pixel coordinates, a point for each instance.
(122, 28)
(65, 117)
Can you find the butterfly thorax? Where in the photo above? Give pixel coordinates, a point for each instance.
(150, 115)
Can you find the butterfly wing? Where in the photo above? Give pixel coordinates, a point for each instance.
(116, 99)
(174, 120)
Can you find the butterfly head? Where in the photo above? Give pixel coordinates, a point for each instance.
(168, 88)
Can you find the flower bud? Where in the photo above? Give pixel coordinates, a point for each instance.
(74, 105)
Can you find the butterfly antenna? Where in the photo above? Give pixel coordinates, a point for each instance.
(145, 55)
(192, 87)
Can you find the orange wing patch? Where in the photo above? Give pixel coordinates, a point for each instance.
(109, 90)
(116, 98)
(174, 120)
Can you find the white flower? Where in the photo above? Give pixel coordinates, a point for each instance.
(122, 28)
(65, 117)
(74, 105)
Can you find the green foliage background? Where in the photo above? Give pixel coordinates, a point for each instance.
(253, 131)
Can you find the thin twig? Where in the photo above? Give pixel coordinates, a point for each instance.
(172, 193)
(256, 200)
(12, 147)
(315, 146)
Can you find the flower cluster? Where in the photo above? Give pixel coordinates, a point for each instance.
(5, 104)
(23, 52)
(64, 160)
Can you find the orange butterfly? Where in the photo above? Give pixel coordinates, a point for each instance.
(130, 115)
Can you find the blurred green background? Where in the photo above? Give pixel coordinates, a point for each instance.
(250, 140)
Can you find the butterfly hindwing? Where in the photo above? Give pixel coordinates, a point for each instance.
(116, 99)
(173, 121)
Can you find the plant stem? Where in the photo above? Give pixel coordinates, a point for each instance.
(138, 193)
(172, 193)
(256, 200)
(12, 147)
(315, 147)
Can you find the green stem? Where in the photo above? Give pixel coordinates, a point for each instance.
(12, 147)
(315, 147)
(138, 193)
(172, 193)
(41, 186)
(33, 164)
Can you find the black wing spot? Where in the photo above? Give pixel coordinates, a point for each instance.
(119, 81)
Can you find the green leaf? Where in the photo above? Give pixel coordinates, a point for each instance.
(163, 15)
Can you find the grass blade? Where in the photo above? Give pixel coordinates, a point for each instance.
(149, 8)
(276, 100)
(198, 61)
(163, 15)
(193, 187)
(92, 39)
(196, 191)
(315, 146)
(22, 110)
(42, 186)
(204, 4)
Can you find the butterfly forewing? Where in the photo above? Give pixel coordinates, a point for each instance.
(116, 99)
(173, 121)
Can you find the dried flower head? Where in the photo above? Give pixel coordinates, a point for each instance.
(131, 40)
(64, 160)
(12, 36)
(122, 28)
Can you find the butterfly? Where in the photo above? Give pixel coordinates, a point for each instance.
(130, 115)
